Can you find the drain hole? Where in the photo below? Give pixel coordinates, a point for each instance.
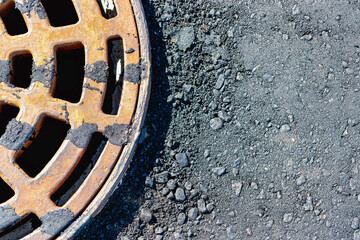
(7, 112)
(81, 171)
(6, 191)
(60, 12)
(24, 227)
(115, 79)
(21, 69)
(13, 20)
(43, 147)
(108, 9)
(70, 62)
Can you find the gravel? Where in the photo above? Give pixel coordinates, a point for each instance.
(253, 125)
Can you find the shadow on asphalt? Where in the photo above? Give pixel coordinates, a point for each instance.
(122, 206)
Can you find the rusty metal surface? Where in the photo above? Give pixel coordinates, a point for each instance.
(32, 195)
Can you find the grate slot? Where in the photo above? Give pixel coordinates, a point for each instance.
(108, 9)
(13, 20)
(70, 62)
(7, 112)
(60, 12)
(43, 147)
(115, 54)
(81, 171)
(21, 69)
(24, 227)
(6, 191)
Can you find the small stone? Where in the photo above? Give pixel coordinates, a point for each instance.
(300, 180)
(220, 82)
(306, 37)
(145, 215)
(356, 235)
(162, 177)
(223, 116)
(230, 232)
(238, 187)
(182, 159)
(237, 162)
(180, 194)
(181, 218)
(206, 153)
(261, 195)
(193, 213)
(210, 207)
(308, 206)
(295, 10)
(254, 186)
(216, 123)
(178, 236)
(185, 38)
(171, 184)
(188, 186)
(159, 237)
(165, 191)
(288, 217)
(159, 230)
(202, 205)
(355, 223)
(285, 128)
(219, 171)
(149, 182)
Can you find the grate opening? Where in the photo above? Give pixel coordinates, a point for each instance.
(70, 62)
(6, 191)
(108, 9)
(7, 112)
(81, 171)
(13, 20)
(60, 12)
(43, 147)
(24, 227)
(114, 83)
(21, 69)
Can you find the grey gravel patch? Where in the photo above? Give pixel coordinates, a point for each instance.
(97, 71)
(31, 5)
(182, 159)
(16, 134)
(185, 38)
(4, 71)
(216, 123)
(8, 216)
(118, 134)
(44, 73)
(81, 136)
(53, 222)
(132, 73)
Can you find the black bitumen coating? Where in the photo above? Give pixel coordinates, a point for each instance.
(80, 136)
(8, 216)
(29, 6)
(53, 222)
(44, 73)
(16, 134)
(118, 134)
(97, 71)
(132, 73)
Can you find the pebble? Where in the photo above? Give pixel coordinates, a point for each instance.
(308, 206)
(306, 37)
(171, 184)
(206, 153)
(193, 213)
(149, 182)
(145, 215)
(162, 177)
(238, 187)
(185, 38)
(210, 207)
(182, 159)
(216, 123)
(159, 230)
(178, 236)
(288, 217)
(295, 10)
(285, 128)
(223, 116)
(180, 194)
(355, 223)
(220, 82)
(356, 235)
(219, 171)
(202, 206)
(181, 218)
(237, 162)
(261, 195)
(300, 180)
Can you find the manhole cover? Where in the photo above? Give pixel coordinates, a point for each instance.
(74, 88)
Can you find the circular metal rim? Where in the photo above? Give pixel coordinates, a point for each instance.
(128, 152)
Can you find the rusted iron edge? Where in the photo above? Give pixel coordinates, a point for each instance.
(128, 152)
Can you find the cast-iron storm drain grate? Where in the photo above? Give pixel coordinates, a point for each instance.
(74, 88)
